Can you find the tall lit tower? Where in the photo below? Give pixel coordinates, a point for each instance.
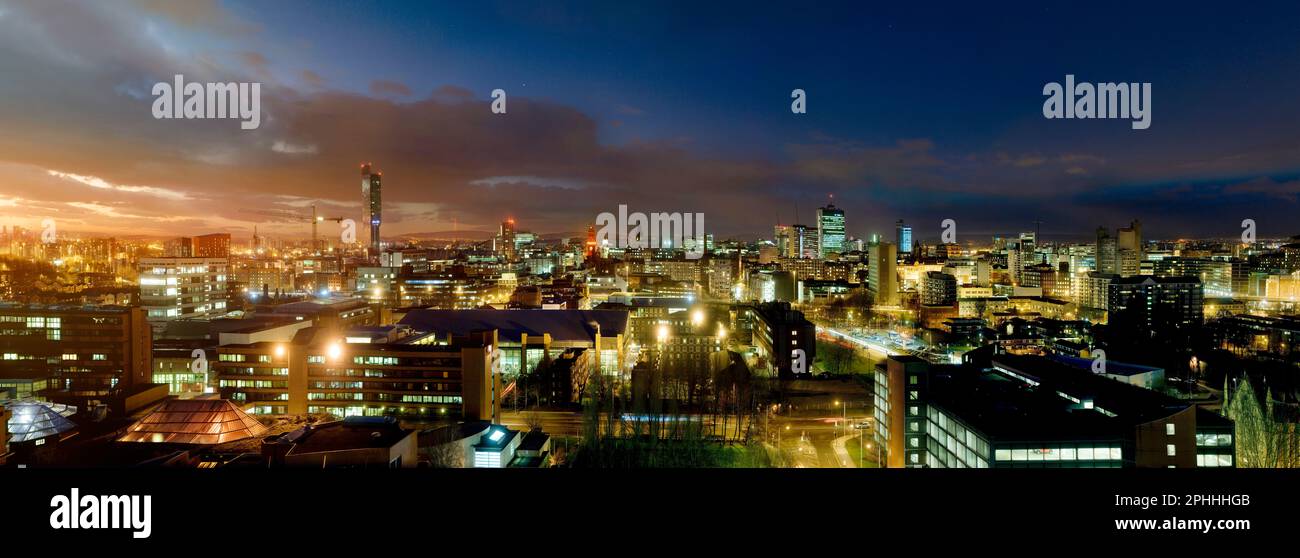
(591, 249)
(903, 237)
(830, 230)
(372, 203)
(505, 244)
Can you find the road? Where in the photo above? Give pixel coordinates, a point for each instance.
(809, 428)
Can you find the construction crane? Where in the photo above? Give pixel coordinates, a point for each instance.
(315, 219)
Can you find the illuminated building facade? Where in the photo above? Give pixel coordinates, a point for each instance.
(320, 371)
(73, 353)
(903, 237)
(1037, 412)
(830, 230)
(183, 288)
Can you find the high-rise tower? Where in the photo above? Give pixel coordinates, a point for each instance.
(903, 237)
(372, 204)
(830, 230)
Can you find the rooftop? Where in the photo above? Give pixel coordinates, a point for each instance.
(562, 325)
(1034, 399)
(33, 420)
(194, 421)
(348, 434)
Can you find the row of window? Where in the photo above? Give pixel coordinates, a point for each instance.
(1106, 453)
(259, 384)
(1213, 440)
(1213, 460)
(250, 371)
(33, 321)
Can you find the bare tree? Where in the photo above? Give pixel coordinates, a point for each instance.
(447, 456)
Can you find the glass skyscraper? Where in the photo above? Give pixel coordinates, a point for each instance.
(830, 230)
(904, 237)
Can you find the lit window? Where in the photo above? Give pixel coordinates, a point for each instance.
(1169, 429)
(1169, 449)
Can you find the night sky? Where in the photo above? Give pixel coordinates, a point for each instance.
(919, 113)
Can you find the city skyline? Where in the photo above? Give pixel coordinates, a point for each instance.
(655, 114)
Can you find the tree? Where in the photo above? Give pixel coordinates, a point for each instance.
(447, 456)
(1263, 441)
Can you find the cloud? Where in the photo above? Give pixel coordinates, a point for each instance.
(386, 88)
(83, 108)
(312, 79)
(287, 148)
(1285, 191)
(97, 182)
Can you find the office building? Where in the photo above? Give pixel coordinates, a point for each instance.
(527, 337)
(325, 371)
(939, 289)
(1037, 412)
(805, 242)
(778, 332)
(1219, 277)
(903, 237)
(830, 230)
(74, 354)
(1155, 307)
(175, 288)
(1121, 254)
(1258, 337)
(783, 237)
(505, 240)
(882, 273)
(212, 246)
(1129, 249)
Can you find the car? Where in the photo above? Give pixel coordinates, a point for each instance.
(863, 425)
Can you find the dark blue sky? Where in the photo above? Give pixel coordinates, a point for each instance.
(918, 112)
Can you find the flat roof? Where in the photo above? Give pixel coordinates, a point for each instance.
(562, 325)
(1113, 367)
(1010, 409)
(348, 434)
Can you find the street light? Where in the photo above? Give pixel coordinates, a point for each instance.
(335, 351)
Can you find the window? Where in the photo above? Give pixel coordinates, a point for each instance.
(1170, 450)
(1169, 429)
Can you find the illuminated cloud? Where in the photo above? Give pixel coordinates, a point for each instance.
(293, 149)
(97, 182)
